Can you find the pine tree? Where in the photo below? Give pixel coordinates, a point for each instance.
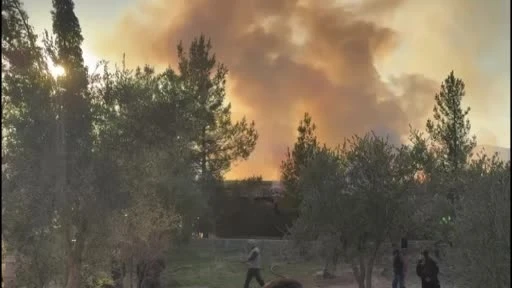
(218, 141)
(450, 135)
(450, 129)
(303, 151)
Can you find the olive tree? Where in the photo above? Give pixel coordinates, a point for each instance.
(354, 196)
(481, 253)
(322, 185)
(141, 234)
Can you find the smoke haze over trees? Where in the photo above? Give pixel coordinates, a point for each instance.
(337, 60)
(111, 168)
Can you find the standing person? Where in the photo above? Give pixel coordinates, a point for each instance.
(404, 255)
(428, 271)
(254, 263)
(398, 269)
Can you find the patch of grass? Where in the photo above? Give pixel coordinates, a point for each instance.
(223, 270)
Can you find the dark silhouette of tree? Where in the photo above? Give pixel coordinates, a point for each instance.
(71, 193)
(75, 175)
(28, 146)
(450, 129)
(303, 151)
(218, 140)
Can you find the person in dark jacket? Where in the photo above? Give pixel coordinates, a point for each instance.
(254, 263)
(428, 271)
(398, 270)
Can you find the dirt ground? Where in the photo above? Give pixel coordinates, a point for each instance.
(346, 280)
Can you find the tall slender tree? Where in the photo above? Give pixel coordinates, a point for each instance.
(448, 153)
(303, 151)
(219, 141)
(75, 176)
(450, 128)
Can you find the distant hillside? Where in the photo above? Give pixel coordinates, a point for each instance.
(503, 153)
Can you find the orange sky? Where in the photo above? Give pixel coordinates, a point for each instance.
(355, 65)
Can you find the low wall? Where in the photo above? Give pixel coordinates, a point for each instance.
(8, 271)
(275, 244)
(275, 247)
(222, 244)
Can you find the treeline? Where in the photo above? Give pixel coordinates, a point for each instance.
(110, 167)
(355, 196)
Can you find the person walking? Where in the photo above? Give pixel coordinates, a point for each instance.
(254, 265)
(428, 271)
(398, 270)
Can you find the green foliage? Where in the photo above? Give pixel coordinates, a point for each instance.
(303, 150)
(81, 150)
(19, 48)
(481, 254)
(461, 202)
(28, 127)
(218, 141)
(381, 178)
(142, 231)
(99, 280)
(354, 196)
(40, 261)
(450, 129)
(76, 190)
(68, 34)
(443, 158)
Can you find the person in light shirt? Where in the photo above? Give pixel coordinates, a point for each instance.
(254, 265)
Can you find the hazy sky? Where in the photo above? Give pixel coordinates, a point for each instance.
(355, 65)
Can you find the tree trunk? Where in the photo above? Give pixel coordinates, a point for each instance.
(117, 273)
(131, 272)
(186, 232)
(73, 271)
(359, 272)
(370, 264)
(141, 270)
(369, 271)
(75, 248)
(327, 271)
(330, 266)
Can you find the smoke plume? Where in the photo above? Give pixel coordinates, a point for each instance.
(287, 57)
